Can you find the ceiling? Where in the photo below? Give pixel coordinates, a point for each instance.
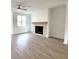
(37, 4)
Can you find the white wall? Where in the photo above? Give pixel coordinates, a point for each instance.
(57, 21)
(17, 29)
(40, 15)
(66, 27)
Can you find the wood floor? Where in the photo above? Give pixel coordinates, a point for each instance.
(32, 46)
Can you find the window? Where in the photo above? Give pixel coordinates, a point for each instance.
(21, 21)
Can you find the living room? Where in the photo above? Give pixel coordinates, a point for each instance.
(39, 20)
(42, 38)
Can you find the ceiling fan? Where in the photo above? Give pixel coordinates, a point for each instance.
(20, 7)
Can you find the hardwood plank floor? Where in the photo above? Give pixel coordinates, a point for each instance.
(32, 46)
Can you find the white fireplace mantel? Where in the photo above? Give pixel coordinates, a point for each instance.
(41, 23)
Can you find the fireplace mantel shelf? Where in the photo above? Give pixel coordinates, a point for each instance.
(43, 22)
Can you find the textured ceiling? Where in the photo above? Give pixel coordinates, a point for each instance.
(37, 4)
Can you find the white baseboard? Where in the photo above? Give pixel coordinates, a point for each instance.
(65, 42)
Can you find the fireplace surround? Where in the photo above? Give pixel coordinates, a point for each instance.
(40, 28)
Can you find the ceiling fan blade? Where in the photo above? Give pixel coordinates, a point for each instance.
(24, 9)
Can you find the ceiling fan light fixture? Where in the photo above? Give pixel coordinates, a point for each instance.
(18, 9)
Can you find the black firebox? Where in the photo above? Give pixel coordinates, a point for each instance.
(39, 29)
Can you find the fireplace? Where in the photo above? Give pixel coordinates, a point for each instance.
(39, 29)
